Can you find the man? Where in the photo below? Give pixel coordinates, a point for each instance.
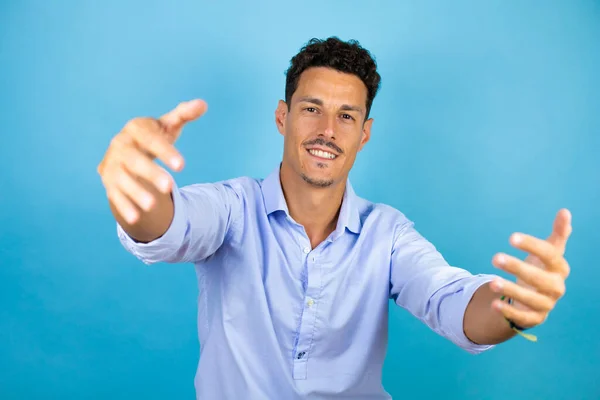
(295, 271)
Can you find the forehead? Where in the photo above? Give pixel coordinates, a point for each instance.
(332, 86)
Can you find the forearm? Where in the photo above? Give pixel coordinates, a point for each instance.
(151, 224)
(482, 324)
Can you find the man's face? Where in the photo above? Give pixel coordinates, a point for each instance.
(323, 129)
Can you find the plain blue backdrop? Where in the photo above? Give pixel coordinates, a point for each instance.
(487, 123)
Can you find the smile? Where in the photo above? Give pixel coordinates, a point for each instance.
(322, 154)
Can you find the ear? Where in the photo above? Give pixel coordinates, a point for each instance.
(366, 133)
(280, 116)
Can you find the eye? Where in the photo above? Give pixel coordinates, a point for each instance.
(347, 116)
(311, 109)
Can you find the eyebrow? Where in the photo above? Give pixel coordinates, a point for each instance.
(319, 102)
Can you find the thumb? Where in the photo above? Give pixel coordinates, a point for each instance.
(185, 112)
(561, 229)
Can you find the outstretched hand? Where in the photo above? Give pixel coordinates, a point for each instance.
(128, 169)
(540, 277)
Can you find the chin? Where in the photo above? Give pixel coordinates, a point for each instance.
(319, 182)
(319, 173)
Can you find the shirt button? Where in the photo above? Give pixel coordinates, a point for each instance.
(306, 250)
(301, 354)
(310, 302)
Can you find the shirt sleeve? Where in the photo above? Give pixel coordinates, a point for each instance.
(204, 215)
(429, 288)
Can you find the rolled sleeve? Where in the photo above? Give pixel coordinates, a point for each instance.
(437, 293)
(453, 305)
(161, 248)
(203, 216)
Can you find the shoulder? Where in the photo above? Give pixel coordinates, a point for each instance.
(379, 212)
(382, 218)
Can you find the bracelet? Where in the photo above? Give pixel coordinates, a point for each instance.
(517, 328)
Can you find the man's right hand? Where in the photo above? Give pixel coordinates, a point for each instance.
(135, 184)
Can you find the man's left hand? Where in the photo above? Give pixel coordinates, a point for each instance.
(540, 278)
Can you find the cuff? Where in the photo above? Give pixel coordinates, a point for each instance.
(455, 312)
(170, 241)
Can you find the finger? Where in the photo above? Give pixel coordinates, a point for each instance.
(117, 144)
(140, 165)
(150, 137)
(123, 205)
(527, 297)
(548, 254)
(185, 112)
(561, 229)
(133, 189)
(523, 318)
(549, 283)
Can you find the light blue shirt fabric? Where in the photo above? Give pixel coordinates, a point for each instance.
(280, 320)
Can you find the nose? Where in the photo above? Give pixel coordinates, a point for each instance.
(328, 128)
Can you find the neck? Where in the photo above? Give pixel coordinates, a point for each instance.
(316, 209)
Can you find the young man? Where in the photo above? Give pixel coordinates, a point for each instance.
(295, 271)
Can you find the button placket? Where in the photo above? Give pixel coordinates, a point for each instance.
(309, 314)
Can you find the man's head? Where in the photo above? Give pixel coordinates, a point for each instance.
(330, 87)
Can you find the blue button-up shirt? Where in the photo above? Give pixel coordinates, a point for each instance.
(280, 320)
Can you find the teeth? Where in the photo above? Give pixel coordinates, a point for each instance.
(322, 154)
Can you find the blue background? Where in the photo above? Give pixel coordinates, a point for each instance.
(487, 123)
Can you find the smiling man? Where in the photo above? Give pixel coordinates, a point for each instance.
(295, 271)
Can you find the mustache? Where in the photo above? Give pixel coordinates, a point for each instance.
(322, 142)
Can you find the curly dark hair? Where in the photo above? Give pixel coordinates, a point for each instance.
(348, 57)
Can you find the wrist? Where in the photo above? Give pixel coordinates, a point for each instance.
(519, 329)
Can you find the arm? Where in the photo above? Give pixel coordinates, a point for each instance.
(482, 324)
(150, 224)
(540, 284)
(156, 220)
(422, 282)
(467, 308)
(203, 216)
(138, 190)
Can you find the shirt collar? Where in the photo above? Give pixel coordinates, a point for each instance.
(275, 201)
